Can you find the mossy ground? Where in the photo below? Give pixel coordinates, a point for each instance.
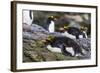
(36, 51)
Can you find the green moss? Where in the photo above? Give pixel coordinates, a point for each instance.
(60, 56)
(40, 44)
(36, 51)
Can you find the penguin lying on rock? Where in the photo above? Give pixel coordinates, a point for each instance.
(73, 32)
(64, 45)
(78, 33)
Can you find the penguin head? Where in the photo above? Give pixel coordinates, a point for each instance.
(48, 40)
(66, 28)
(52, 18)
(83, 28)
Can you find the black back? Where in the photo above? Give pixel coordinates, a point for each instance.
(63, 42)
(75, 31)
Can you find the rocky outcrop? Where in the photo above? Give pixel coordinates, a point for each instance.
(85, 44)
(34, 50)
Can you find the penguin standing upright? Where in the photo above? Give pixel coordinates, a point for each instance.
(28, 17)
(51, 24)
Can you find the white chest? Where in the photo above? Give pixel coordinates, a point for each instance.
(26, 17)
(51, 27)
(53, 49)
(70, 50)
(58, 50)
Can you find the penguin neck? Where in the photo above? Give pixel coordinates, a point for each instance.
(51, 22)
(85, 33)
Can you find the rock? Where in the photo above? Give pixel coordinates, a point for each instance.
(34, 56)
(74, 24)
(56, 34)
(37, 52)
(34, 32)
(85, 44)
(37, 28)
(49, 56)
(76, 18)
(34, 28)
(34, 50)
(27, 47)
(35, 35)
(60, 57)
(28, 36)
(87, 18)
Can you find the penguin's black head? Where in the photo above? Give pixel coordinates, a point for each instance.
(52, 18)
(48, 40)
(83, 28)
(66, 27)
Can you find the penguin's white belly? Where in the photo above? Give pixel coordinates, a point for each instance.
(85, 34)
(58, 50)
(70, 50)
(80, 36)
(53, 49)
(51, 27)
(26, 17)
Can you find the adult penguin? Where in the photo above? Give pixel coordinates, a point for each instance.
(78, 33)
(64, 45)
(28, 17)
(51, 24)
